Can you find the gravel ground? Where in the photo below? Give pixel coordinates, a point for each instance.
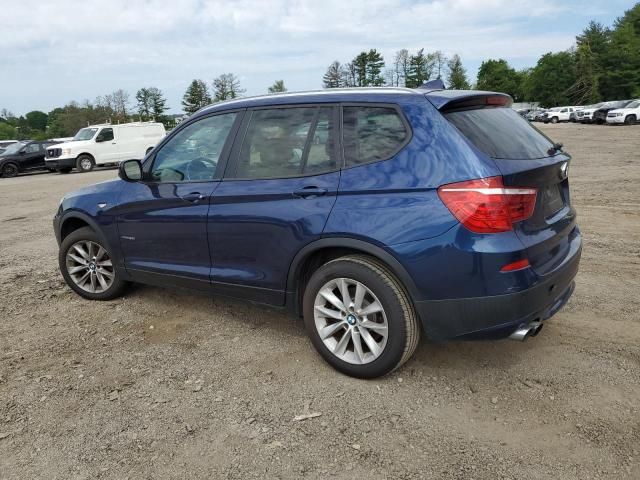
(172, 384)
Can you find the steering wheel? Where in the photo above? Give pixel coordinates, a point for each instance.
(200, 168)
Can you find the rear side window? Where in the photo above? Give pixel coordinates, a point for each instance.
(288, 142)
(501, 133)
(372, 134)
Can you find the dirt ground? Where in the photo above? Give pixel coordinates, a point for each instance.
(174, 384)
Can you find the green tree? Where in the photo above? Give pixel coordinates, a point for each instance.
(151, 103)
(590, 53)
(7, 131)
(277, 87)
(552, 79)
(457, 77)
(37, 120)
(368, 68)
(499, 76)
(333, 77)
(226, 87)
(196, 97)
(420, 69)
(621, 65)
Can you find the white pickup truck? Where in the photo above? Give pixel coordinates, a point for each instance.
(560, 114)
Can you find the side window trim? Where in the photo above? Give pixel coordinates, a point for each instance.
(233, 158)
(393, 106)
(224, 155)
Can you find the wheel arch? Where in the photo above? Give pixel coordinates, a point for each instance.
(313, 255)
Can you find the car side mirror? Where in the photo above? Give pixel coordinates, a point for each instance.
(99, 139)
(130, 171)
(22, 152)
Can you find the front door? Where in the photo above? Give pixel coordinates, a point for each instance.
(162, 220)
(276, 196)
(106, 147)
(33, 156)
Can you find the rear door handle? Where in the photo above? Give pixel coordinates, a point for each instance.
(310, 191)
(193, 197)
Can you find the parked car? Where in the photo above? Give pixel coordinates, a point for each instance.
(627, 115)
(600, 115)
(540, 116)
(23, 157)
(6, 143)
(105, 145)
(585, 115)
(559, 114)
(429, 211)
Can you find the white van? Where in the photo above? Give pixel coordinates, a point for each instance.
(105, 145)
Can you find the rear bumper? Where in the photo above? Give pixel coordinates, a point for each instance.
(60, 163)
(498, 316)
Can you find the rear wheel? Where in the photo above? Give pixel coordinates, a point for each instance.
(85, 163)
(87, 266)
(10, 170)
(630, 119)
(359, 317)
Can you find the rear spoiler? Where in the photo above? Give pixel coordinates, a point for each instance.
(447, 100)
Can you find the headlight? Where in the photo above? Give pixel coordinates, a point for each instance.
(66, 151)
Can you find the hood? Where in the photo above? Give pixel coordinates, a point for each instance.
(74, 144)
(621, 110)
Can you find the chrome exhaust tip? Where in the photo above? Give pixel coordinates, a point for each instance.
(524, 331)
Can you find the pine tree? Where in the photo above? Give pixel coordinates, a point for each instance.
(226, 87)
(277, 87)
(196, 97)
(420, 69)
(375, 64)
(333, 76)
(457, 78)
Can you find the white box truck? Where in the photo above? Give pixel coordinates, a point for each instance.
(104, 145)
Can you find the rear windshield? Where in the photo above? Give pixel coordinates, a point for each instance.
(501, 133)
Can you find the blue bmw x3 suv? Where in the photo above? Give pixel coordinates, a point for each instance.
(378, 215)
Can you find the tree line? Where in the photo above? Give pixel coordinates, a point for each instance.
(604, 64)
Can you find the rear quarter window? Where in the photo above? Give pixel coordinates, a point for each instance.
(372, 134)
(501, 133)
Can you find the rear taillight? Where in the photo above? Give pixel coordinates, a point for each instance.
(485, 205)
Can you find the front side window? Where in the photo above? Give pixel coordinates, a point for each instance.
(372, 134)
(192, 154)
(288, 142)
(105, 135)
(32, 148)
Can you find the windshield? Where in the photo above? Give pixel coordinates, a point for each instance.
(633, 105)
(13, 148)
(85, 134)
(501, 133)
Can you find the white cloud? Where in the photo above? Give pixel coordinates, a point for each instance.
(55, 51)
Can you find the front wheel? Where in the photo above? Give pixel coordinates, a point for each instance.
(87, 266)
(85, 163)
(630, 119)
(554, 120)
(359, 317)
(10, 170)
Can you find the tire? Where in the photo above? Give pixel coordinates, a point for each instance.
(64, 170)
(630, 119)
(554, 120)
(10, 170)
(85, 163)
(70, 258)
(381, 288)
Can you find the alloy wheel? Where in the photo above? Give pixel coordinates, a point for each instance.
(90, 267)
(351, 321)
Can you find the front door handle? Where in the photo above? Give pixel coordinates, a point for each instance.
(193, 197)
(309, 191)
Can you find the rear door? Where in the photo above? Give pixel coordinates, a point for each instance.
(526, 158)
(276, 196)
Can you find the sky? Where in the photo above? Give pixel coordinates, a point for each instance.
(56, 51)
